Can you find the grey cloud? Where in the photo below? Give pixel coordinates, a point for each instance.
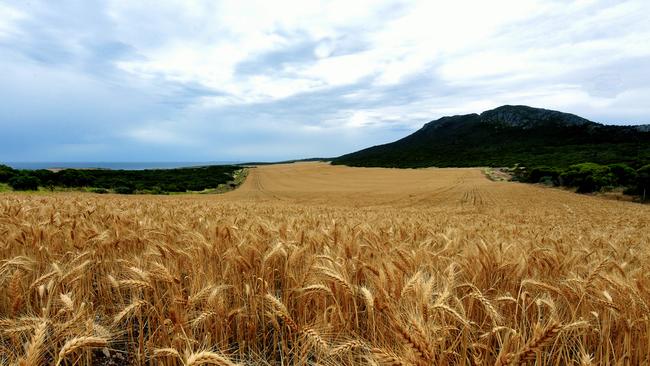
(272, 62)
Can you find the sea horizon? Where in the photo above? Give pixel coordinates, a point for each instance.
(35, 165)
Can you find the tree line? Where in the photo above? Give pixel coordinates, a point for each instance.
(591, 177)
(121, 181)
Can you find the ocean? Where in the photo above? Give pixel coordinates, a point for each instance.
(113, 165)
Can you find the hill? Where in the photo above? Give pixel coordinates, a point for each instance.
(510, 135)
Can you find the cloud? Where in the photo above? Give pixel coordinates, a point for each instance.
(259, 80)
(9, 16)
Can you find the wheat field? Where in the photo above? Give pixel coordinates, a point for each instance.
(311, 264)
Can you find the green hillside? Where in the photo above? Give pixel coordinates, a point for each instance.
(510, 135)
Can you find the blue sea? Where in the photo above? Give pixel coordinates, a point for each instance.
(113, 165)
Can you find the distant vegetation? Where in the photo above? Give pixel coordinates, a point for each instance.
(567, 149)
(155, 181)
(591, 177)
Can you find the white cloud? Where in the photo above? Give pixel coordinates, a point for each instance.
(464, 43)
(236, 76)
(9, 16)
(231, 33)
(324, 49)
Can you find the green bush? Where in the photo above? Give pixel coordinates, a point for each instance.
(99, 190)
(6, 173)
(623, 174)
(73, 178)
(24, 182)
(544, 173)
(548, 181)
(588, 177)
(173, 187)
(157, 190)
(643, 181)
(124, 190)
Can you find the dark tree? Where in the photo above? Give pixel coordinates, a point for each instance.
(6, 173)
(624, 175)
(73, 178)
(124, 190)
(24, 182)
(644, 181)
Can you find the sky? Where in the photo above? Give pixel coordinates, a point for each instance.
(184, 80)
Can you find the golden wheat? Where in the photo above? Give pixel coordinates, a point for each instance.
(315, 264)
(80, 343)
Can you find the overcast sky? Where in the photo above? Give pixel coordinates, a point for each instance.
(268, 80)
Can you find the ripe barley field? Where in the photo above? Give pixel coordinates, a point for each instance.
(311, 264)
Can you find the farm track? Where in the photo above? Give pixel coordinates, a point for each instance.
(308, 264)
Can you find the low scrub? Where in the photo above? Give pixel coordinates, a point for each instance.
(590, 177)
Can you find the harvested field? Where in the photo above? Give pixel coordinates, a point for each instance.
(311, 264)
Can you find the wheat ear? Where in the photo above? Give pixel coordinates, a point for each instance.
(208, 358)
(387, 358)
(166, 352)
(79, 343)
(528, 352)
(34, 351)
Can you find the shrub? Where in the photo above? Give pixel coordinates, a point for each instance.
(623, 174)
(6, 173)
(643, 181)
(173, 188)
(73, 178)
(588, 177)
(157, 190)
(631, 191)
(24, 182)
(124, 190)
(548, 181)
(544, 173)
(196, 185)
(99, 190)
